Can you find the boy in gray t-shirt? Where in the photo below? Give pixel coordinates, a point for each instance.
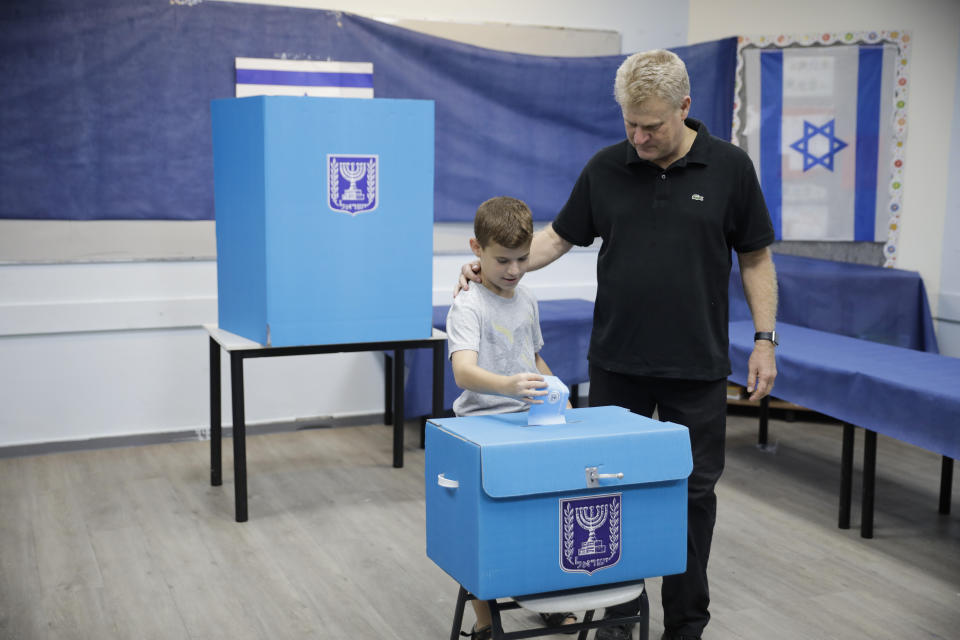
(493, 332)
(500, 336)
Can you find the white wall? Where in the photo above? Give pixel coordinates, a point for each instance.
(106, 349)
(935, 31)
(948, 309)
(116, 349)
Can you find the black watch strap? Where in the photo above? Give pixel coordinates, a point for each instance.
(767, 335)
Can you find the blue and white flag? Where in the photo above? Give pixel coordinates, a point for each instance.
(820, 131)
(275, 77)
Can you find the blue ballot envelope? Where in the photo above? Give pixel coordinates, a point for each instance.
(552, 406)
(514, 509)
(324, 218)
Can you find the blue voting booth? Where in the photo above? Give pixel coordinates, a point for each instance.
(515, 509)
(324, 218)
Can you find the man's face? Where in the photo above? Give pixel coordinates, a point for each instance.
(502, 268)
(655, 129)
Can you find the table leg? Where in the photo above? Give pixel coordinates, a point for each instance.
(946, 484)
(239, 438)
(869, 482)
(439, 350)
(846, 475)
(387, 388)
(764, 419)
(216, 421)
(398, 357)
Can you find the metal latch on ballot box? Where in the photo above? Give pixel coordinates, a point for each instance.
(594, 476)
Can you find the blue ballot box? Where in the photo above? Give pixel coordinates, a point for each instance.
(324, 218)
(515, 509)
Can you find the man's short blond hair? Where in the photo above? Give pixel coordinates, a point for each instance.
(504, 220)
(658, 73)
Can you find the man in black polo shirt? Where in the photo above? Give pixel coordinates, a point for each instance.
(669, 203)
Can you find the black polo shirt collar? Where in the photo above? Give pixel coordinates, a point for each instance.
(699, 151)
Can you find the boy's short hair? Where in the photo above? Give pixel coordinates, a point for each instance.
(504, 220)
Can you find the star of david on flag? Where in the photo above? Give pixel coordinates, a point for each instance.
(807, 145)
(820, 132)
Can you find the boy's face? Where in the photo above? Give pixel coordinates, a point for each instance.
(501, 268)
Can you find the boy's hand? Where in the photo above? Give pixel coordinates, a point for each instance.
(526, 386)
(468, 272)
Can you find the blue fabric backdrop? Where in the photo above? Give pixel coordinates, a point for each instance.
(105, 110)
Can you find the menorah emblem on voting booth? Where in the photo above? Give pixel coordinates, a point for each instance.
(352, 183)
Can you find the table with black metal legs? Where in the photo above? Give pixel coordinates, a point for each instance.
(905, 394)
(241, 348)
(869, 473)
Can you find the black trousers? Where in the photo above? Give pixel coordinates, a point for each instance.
(701, 406)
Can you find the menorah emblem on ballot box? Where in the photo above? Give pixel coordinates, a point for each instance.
(582, 549)
(352, 182)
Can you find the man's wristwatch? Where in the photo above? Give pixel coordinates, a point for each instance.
(767, 335)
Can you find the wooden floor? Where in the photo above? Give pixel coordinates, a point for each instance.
(134, 543)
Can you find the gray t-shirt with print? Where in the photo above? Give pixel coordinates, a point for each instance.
(505, 333)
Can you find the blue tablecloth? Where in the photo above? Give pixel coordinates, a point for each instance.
(906, 394)
(860, 301)
(566, 326)
(882, 305)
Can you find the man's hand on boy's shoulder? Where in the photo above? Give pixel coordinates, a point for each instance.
(468, 272)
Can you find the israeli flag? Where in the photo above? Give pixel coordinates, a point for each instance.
(819, 128)
(274, 77)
